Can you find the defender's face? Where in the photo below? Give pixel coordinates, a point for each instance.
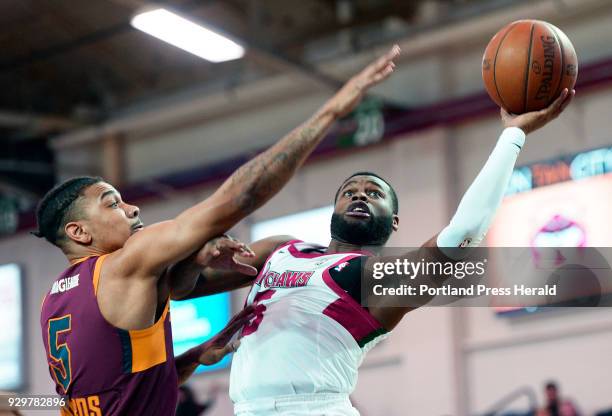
(363, 213)
(109, 220)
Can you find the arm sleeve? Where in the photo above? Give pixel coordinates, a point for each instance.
(477, 208)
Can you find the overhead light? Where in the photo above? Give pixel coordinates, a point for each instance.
(187, 35)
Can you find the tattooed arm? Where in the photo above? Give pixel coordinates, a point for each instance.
(154, 248)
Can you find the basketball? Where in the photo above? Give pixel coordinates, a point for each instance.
(527, 64)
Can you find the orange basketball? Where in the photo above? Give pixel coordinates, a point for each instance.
(527, 64)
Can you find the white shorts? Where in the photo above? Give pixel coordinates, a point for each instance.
(318, 404)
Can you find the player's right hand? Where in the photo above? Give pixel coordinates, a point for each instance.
(529, 122)
(353, 91)
(221, 253)
(213, 350)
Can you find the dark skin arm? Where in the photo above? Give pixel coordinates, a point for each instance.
(215, 280)
(221, 253)
(213, 350)
(389, 317)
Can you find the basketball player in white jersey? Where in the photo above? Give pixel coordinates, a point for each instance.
(301, 353)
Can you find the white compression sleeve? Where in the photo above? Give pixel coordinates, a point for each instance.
(479, 204)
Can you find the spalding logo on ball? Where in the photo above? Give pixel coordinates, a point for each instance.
(527, 64)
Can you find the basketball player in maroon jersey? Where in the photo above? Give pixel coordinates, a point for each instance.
(106, 321)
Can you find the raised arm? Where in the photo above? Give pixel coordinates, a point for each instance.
(478, 206)
(156, 247)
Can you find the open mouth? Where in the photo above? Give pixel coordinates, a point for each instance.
(137, 227)
(358, 210)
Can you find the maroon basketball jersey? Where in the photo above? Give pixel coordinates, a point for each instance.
(100, 369)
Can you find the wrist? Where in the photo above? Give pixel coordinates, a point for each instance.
(328, 111)
(514, 136)
(192, 356)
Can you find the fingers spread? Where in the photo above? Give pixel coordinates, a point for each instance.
(246, 251)
(381, 63)
(234, 246)
(230, 244)
(393, 53)
(387, 59)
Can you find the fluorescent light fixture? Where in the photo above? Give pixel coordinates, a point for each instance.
(187, 35)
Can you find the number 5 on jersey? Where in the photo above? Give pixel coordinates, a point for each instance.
(60, 354)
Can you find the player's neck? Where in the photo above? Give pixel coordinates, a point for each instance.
(75, 256)
(336, 246)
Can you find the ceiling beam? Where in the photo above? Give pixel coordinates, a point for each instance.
(403, 10)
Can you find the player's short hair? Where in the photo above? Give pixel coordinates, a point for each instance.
(58, 207)
(394, 199)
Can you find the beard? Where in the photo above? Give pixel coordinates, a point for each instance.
(373, 232)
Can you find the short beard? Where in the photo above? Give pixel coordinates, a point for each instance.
(373, 232)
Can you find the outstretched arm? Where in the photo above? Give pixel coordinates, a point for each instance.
(156, 247)
(213, 279)
(477, 207)
(479, 204)
(213, 350)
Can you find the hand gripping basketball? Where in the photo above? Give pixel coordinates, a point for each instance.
(534, 120)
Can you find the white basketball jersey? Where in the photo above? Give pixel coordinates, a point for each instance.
(309, 336)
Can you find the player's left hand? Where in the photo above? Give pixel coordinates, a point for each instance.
(347, 98)
(213, 350)
(221, 252)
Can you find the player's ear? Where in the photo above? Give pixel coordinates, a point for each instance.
(395, 222)
(76, 232)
